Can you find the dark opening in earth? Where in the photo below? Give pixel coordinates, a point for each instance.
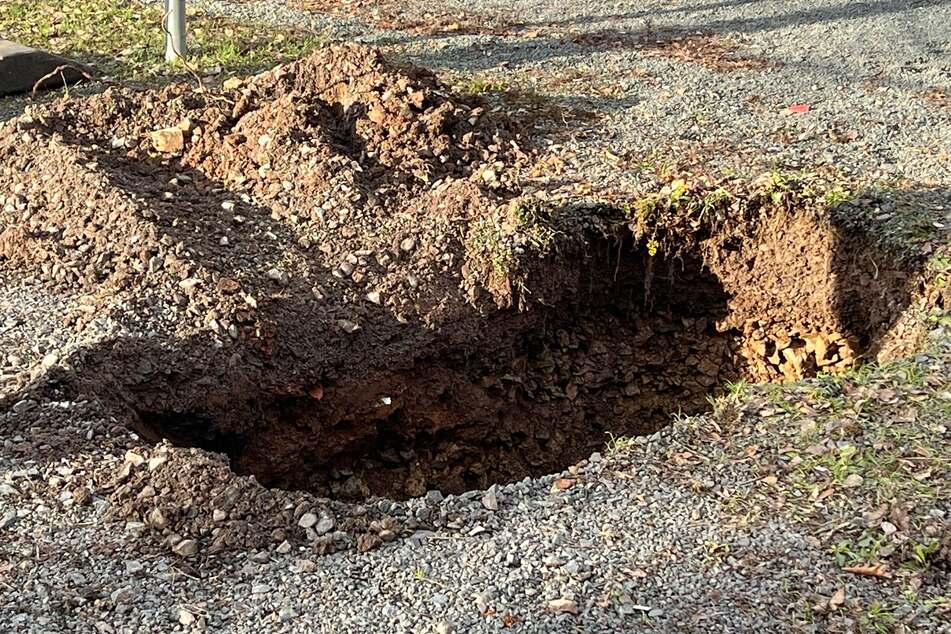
(554, 384)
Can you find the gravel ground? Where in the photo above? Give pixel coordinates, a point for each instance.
(628, 541)
(863, 68)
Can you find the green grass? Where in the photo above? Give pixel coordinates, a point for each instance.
(124, 39)
(619, 444)
(879, 618)
(479, 85)
(499, 247)
(812, 440)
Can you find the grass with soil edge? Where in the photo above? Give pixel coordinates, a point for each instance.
(123, 39)
(860, 460)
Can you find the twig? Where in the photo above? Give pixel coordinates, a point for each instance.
(58, 71)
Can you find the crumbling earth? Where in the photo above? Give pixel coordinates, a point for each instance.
(334, 274)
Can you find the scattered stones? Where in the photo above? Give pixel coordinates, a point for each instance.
(324, 525)
(186, 548)
(185, 617)
(562, 606)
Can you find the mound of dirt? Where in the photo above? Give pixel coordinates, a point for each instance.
(328, 272)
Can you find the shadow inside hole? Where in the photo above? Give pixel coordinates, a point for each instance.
(545, 389)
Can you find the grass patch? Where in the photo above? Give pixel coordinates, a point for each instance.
(499, 247)
(124, 39)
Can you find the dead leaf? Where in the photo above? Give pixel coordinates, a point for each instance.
(316, 392)
(877, 570)
(562, 484)
(837, 599)
(921, 476)
(825, 494)
(563, 606)
(509, 619)
(635, 573)
(770, 480)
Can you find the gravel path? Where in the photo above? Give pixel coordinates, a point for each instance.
(663, 535)
(876, 76)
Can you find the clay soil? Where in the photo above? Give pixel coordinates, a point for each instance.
(331, 273)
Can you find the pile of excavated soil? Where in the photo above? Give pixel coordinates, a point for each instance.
(329, 273)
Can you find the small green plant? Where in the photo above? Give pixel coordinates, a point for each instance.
(714, 200)
(939, 266)
(777, 185)
(736, 389)
(864, 550)
(534, 223)
(619, 444)
(486, 242)
(879, 618)
(837, 195)
(482, 85)
(921, 554)
(715, 552)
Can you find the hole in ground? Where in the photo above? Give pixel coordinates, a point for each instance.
(551, 388)
(637, 340)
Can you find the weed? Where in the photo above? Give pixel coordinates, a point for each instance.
(864, 550)
(486, 242)
(921, 554)
(879, 618)
(837, 195)
(481, 86)
(715, 552)
(619, 444)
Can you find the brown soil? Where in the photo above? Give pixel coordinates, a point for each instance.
(332, 276)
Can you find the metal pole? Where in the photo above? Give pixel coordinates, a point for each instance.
(175, 30)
